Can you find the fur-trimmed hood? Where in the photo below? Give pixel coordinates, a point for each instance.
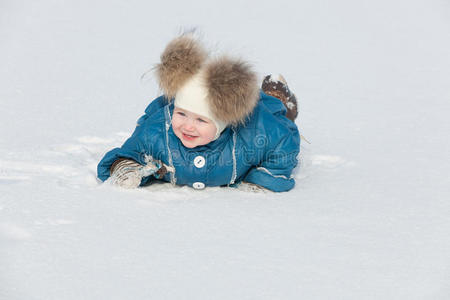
(231, 84)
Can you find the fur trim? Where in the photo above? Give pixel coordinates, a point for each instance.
(182, 58)
(233, 91)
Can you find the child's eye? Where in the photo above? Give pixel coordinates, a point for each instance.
(202, 121)
(181, 113)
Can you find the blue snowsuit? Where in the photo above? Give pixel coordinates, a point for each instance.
(262, 151)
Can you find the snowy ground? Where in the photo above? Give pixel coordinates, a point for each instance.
(369, 217)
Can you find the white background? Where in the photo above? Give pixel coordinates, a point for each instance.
(369, 217)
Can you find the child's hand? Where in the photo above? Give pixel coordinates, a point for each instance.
(128, 174)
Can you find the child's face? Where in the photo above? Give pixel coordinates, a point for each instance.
(192, 129)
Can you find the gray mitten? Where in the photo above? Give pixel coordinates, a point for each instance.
(251, 187)
(128, 174)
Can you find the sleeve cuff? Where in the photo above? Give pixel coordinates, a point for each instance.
(264, 178)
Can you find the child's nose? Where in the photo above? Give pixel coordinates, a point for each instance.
(189, 124)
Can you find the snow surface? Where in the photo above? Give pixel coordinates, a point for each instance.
(369, 217)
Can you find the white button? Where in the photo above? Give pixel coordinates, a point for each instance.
(199, 161)
(198, 185)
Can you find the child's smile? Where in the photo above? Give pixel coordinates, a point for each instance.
(188, 137)
(192, 129)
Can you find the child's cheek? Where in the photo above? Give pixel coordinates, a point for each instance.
(212, 131)
(207, 137)
(175, 123)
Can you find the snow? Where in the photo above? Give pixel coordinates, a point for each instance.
(290, 105)
(367, 219)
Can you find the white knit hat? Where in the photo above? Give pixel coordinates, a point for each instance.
(193, 96)
(223, 89)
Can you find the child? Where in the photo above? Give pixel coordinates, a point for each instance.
(212, 127)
